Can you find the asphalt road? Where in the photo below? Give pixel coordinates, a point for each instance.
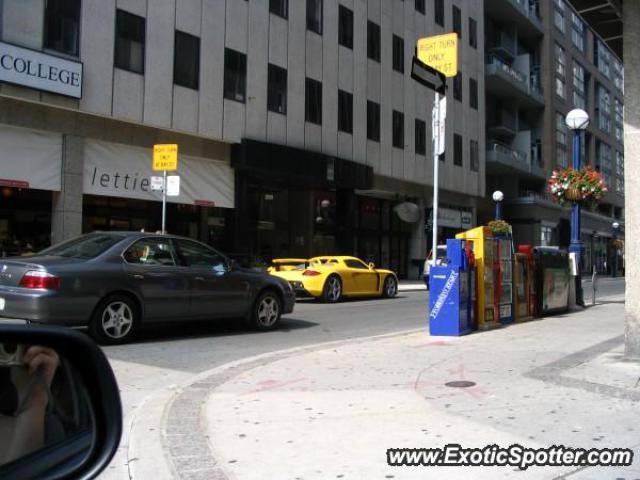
(198, 347)
(168, 355)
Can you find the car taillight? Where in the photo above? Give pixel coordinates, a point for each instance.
(39, 279)
(310, 273)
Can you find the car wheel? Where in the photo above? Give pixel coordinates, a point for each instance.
(266, 311)
(390, 287)
(115, 320)
(332, 291)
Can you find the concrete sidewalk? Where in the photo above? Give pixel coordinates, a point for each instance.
(332, 411)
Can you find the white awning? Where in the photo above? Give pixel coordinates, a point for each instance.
(117, 170)
(30, 158)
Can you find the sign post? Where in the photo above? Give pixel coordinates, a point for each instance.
(165, 157)
(437, 57)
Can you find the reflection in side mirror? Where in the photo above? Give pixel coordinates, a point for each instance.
(60, 412)
(43, 404)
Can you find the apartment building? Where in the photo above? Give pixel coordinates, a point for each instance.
(542, 62)
(298, 124)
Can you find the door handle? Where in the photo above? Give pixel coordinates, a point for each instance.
(138, 276)
(200, 279)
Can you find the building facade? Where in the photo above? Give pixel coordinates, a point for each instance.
(566, 66)
(299, 126)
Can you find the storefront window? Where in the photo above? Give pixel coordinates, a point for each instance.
(209, 224)
(382, 238)
(25, 220)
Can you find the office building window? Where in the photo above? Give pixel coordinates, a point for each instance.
(398, 54)
(235, 75)
(473, 33)
(398, 129)
(602, 57)
(579, 97)
(619, 111)
(619, 172)
(457, 149)
(345, 27)
(313, 101)
(314, 16)
(62, 26)
(277, 89)
(577, 31)
(546, 236)
(373, 121)
(473, 93)
(186, 60)
(373, 41)
(558, 14)
(603, 160)
(618, 74)
(457, 20)
(130, 39)
(279, 7)
(345, 111)
(561, 141)
(457, 86)
(560, 60)
(421, 137)
(438, 12)
(560, 70)
(420, 6)
(474, 156)
(603, 109)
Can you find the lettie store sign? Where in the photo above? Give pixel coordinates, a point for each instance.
(30, 68)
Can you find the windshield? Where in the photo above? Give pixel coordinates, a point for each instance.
(87, 246)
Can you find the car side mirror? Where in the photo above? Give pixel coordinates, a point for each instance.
(372, 265)
(63, 419)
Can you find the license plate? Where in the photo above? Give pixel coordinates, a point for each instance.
(2, 302)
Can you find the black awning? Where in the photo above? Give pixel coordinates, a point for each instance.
(299, 168)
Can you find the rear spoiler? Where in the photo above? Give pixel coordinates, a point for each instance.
(277, 264)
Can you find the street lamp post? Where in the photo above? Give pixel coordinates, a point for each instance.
(577, 120)
(498, 196)
(614, 265)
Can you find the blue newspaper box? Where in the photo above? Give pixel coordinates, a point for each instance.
(449, 301)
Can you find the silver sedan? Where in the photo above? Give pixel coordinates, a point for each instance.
(114, 281)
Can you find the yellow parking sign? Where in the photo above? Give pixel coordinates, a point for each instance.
(440, 52)
(165, 157)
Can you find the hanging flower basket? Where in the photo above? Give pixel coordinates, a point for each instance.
(584, 186)
(573, 194)
(499, 227)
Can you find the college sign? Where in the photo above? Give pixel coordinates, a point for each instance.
(33, 69)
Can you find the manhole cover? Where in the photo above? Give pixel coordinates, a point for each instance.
(460, 384)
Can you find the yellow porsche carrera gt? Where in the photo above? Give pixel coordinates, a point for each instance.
(332, 277)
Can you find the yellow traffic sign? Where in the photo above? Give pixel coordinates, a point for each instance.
(165, 157)
(440, 52)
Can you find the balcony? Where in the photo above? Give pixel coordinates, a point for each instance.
(523, 14)
(502, 44)
(504, 160)
(504, 81)
(501, 123)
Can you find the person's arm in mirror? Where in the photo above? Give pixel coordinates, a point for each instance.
(23, 431)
